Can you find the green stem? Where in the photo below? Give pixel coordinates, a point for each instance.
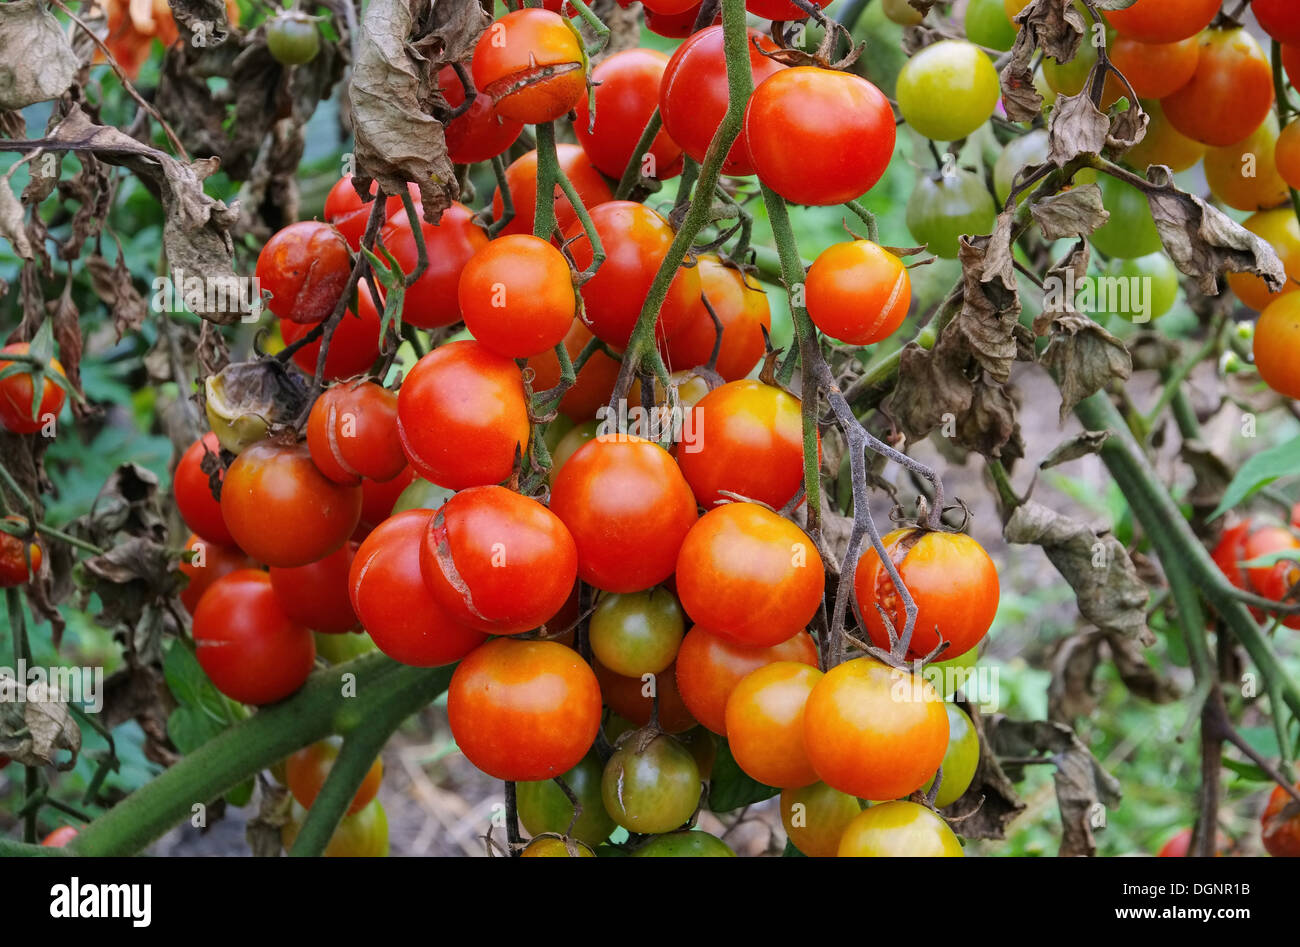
(632, 173)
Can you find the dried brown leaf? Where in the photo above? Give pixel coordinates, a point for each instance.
(1073, 213)
(36, 60)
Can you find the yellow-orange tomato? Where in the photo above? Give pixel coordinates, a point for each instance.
(709, 667)
(1282, 231)
(899, 830)
(1286, 156)
(1245, 175)
(1230, 94)
(765, 723)
(1156, 69)
(306, 770)
(744, 313)
(858, 292)
(873, 731)
(551, 847)
(816, 816)
(1163, 144)
(531, 64)
(1277, 346)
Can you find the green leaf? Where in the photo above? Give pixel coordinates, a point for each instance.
(1271, 559)
(393, 279)
(242, 794)
(1258, 472)
(204, 711)
(1247, 771)
(731, 788)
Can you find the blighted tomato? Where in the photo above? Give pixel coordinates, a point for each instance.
(532, 66)
(200, 510)
(306, 267)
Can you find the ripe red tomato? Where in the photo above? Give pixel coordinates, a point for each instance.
(305, 266)
(633, 697)
(858, 292)
(432, 301)
(521, 182)
(747, 574)
(627, 94)
(1291, 62)
(669, 7)
(709, 667)
(898, 830)
(651, 787)
(1277, 346)
(352, 433)
(748, 440)
(806, 117)
(211, 561)
(395, 606)
(498, 562)
(306, 770)
(479, 133)
(693, 94)
(743, 312)
(281, 510)
(628, 508)
(1280, 19)
(60, 837)
(765, 723)
(636, 240)
(517, 297)
(17, 394)
(13, 558)
(523, 710)
(345, 210)
(1163, 21)
(1230, 94)
(952, 580)
(250, 649)
(355, 344)
(1281, 837)
(462, 416)
(595, 381)
(780, 9)
(1156, 70)
(815, 818)
(316, 595)
(378, 498)
(531, 64)
(200, 510)
(873, 731)
(675, 25)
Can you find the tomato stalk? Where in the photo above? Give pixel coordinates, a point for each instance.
(631, 178)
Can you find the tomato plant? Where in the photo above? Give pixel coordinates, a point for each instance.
(307, 769)
(20, 411)
(742, 310)
(815, 817)
(627, 94)
(636, 633)
(1230, 92)
(449, 246)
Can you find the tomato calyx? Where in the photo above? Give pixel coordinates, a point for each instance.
(822, 56)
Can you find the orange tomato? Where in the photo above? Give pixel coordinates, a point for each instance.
(765, 723)
(1230, 94)
(1244, 175)
(1282, 231)
(1156, 70)
(1163, 21)
(1163, 144)
(743, 312)
(1277, 345)
(816, 816)
(1286, 156)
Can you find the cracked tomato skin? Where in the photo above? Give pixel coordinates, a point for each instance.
(462, 415)
(16, 394)
(251, 650)
(306, 267)
(858, 292)
(478, 134)
(199, 509)
(432, 301)
(497, 561)
(523, 710)
(316, 595)
(352, 433)
(521, 183)
(531, 64)
(950, 577)
(750, 575)
(393, 602)
(628, 509)
(1281, 837)
(353, 349)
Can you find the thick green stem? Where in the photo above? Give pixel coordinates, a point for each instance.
(632, 173)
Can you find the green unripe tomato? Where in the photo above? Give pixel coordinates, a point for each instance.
(948, 90)
(948, 676)
(543, 806)
(1023, 152)
(420, 494)
(902, 12)
(339, 649)
(569, 444)
(988, 25)
(960, 759)
(561, 425)
(1131, 231)
(685, 845)
(944, 207)
(637, 633)
(293, 38)
(1154, 280)
(653, 788)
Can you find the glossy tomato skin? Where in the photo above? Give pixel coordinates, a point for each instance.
(60, 837)
(1279, 18)
(750, 575)
(628, 509)
(873, 731)
(1230, 94)
(249, 648)
(675, 25)
(316, 595)
(361, 835)
(948, 90)
(1277, 346)
(858, 292)
(636, 240)
(307, 769)
(353, 349)
(744, 313)
(1163, 21)
(14, 558)
(596, 378)
(959, 761)
(393, 603)
(479, 134)
(1282, 232)
(516, 296)
(461, 415)
(815, 817)
(1163, 144)
(543, 806)
(709, 667)
(899, 830)
(837, 122)
(349, 215)
(748, 440)
(523, 710)
(211, 561)
(17, 394)
(1245, 175)
(1281, 836)
(950, 577)
(1156, 70)
(305, 266)
(521, 182)
(379, 500)
(765, 723)
(945, 207)
(636, 633)
(432, 302)
(551, 847)
(780, 9)
(200, 510)
(634, 697)
(1286, 153)
(516, 45)
(281, 510)
(1131, 230)
(1291, 62)
(627, 94)
(692, 844)
(651, 784)
(693, 94)
(352, 433)
(498, 562)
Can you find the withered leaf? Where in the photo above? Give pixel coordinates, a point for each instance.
(204, 18)
(112, 284)
(1084, 358)
(989, 425)
(1073, 666)
(1073, 213)
(35, 725)
(264, 831)
(1055, 27)
(991, 803)
(1106, 585)
(262, 391)
(1076, 128)
(1081, 445)
(64, 319)
(1127, 129)
(1138, 675)
(1060, 284)
(36, 60)
(12, 224)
